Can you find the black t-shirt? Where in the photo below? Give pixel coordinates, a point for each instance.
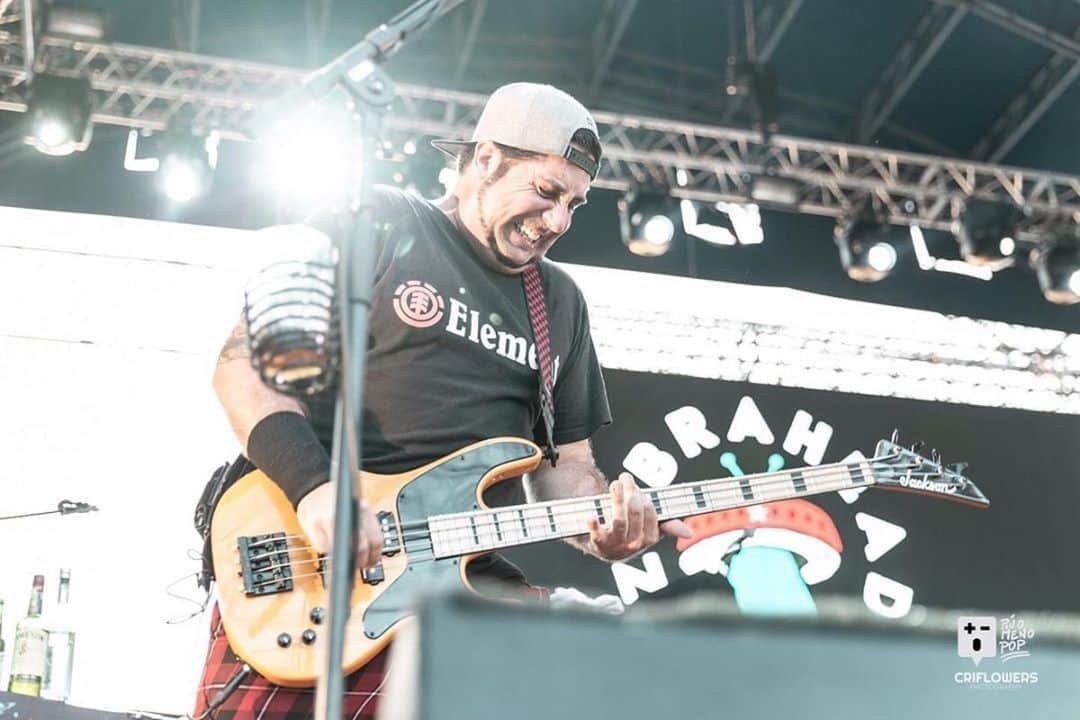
(451, 358)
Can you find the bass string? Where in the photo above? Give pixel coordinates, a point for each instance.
(712, 486)
(587, 505)
(462, 529)
(458, 534)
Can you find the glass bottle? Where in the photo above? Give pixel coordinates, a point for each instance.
(28, 652)
(60, 647)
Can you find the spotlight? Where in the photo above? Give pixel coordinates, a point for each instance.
(1057, 266)
(187, 167)
(309, 156)
(881, 257)
(865, 250)
(58, 111)
(776, 190)
(647, 222)
(75, 23)
(985, 232)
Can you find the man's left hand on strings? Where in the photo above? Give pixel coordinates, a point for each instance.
(633, 524)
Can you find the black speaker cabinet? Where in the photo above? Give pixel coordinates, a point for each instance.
(479, 661)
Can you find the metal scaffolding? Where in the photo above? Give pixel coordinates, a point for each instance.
(150, 88)
(905, 67)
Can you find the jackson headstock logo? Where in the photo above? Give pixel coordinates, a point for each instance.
(924, 484)
(418, 304)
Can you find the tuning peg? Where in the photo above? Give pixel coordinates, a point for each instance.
(935, 456)
(917, 446)
(957, 468)
(895, 437)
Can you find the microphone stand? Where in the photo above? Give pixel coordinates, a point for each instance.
(64, 507)
(370, 92)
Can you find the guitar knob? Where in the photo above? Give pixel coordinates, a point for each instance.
(308, 636)
(317, 615)
(284, 640)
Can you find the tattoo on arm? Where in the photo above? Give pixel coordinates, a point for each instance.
(236, 347)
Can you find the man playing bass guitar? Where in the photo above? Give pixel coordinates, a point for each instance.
(452, 360)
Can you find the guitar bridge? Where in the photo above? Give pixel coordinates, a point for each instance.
(264, 564)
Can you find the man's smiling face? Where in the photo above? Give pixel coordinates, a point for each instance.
(522, 206)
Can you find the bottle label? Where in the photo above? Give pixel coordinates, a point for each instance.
(28, 657)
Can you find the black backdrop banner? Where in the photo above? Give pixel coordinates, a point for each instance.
(1017, 555)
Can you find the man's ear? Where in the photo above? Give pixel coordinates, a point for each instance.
(486, 158)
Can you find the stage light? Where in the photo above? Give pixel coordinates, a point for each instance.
(881, 257)
(75, 23)
(309, 156)
(58, 112)
(865, 250)
(1057, 266)
(51, 133)
(647, 222)
(187, 168)
(985, 232)
(776, 190)
(659, 230)
(180, 181)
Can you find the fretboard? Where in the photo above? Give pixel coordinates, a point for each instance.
(487, 530)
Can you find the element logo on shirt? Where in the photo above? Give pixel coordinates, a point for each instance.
(418, 304)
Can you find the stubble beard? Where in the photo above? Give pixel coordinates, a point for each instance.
(489, 240)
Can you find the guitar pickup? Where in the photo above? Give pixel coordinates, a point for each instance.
(373, 575)
(391, 546)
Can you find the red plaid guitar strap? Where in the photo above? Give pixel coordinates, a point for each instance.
(534, 296)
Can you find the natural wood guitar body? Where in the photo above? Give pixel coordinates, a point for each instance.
(257, 624)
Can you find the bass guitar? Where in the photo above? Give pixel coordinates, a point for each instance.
(271, 590)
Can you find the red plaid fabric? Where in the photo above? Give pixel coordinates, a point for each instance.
(258, 699)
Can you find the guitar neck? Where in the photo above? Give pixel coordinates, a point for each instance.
(487, 530)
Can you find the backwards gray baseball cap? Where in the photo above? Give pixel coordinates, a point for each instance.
(533, 117)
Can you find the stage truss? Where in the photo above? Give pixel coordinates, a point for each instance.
(149, 88)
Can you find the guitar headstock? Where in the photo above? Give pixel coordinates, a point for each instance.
(907, 470)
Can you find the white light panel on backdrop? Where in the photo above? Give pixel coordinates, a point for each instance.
(108, 337)
(776, 336)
